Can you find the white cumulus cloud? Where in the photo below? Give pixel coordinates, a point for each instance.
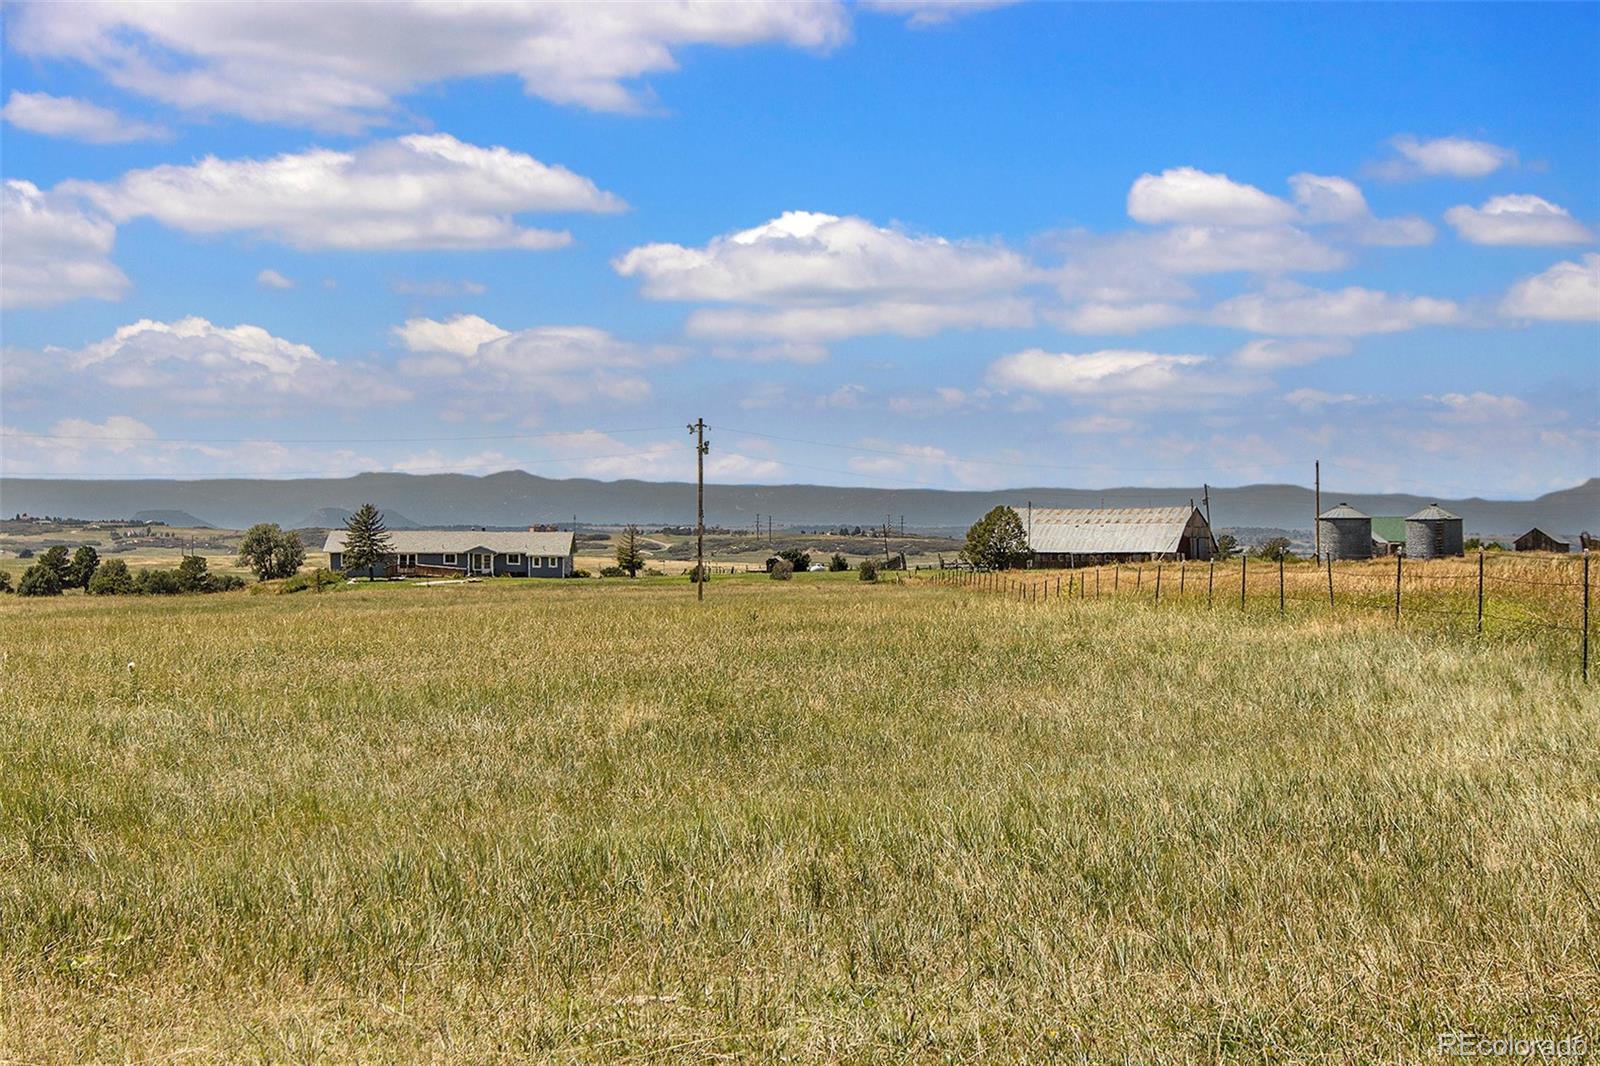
(1567, 292)
(475, 360)
(1517, 219)
(1095, 373)
(271, 279)
(1190, 195)
(224, 368)
(52, 251)
(1295, 310)
(809, 277)
(74, 120)
(1339, 201)
(1450, 157)
(342, 66)
(427, 191)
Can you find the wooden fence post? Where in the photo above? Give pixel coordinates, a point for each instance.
(1158, 584)
(1280, 584)
(1244, 567)
(1211, 579)
(1586, 614)
(1480, 590)
(1398, 557)
(1330, 581)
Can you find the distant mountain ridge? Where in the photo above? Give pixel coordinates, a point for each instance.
(176, 519)
(336, 517)
(516, 499)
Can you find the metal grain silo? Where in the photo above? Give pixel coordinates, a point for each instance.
(1433, 533)
(1345, 533)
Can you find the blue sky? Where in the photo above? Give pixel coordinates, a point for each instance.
(892, 244)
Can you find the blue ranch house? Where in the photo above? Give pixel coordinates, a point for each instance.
(464, 552)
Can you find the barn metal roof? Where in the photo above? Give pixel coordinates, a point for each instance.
(1432, 513)
(1391, 528)
(461, 541)
(1108, 531)
(1344, 510)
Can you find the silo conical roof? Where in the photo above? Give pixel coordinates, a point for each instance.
(1344, 510)
(1432, 513)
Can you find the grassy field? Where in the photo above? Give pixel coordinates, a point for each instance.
(816, 820)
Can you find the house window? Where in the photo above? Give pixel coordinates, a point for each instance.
(449, 559)
(514, 560)
(406, 560)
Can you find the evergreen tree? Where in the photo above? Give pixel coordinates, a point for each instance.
(366, 540)
(82, 567)
(997, 541)
(57, 562)
(630, 556)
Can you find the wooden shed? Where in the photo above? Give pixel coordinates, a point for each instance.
(1537, 540)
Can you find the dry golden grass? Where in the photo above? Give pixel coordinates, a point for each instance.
(815, 820)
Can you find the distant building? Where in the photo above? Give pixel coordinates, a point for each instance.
(1388, 534)
(1537, 540)
(1078, 537)
(1433, 533)
(1345, 533)
(448, 552)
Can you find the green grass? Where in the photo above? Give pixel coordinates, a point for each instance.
(815, 819)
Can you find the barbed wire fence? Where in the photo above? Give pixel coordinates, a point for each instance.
(1492, 594)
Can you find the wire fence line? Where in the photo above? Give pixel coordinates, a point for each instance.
(1486, 594)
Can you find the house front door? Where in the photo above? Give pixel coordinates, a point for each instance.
(482, 563)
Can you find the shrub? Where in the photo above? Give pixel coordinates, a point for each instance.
(158, 583)
(613, 571)
(867, 570)
(580, 573)
(694, 574)
(838, 564)
(316, 580)
(1273, 549)
(39, 580)
(782, 570)
(798, 560)
(112, 579)
(25, 553)
(5, 581)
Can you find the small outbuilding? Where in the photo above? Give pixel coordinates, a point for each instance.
(1433, 533)
(1345, 533)
(1388, 534)
(1537, 540)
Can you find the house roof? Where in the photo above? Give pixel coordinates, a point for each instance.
(460, 541)
(1389, 528)
(1108, 531)
(1432, 513)
(1344, 510)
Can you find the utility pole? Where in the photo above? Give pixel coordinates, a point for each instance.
(1205, 501)
(1316, 521)
(698, 428)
